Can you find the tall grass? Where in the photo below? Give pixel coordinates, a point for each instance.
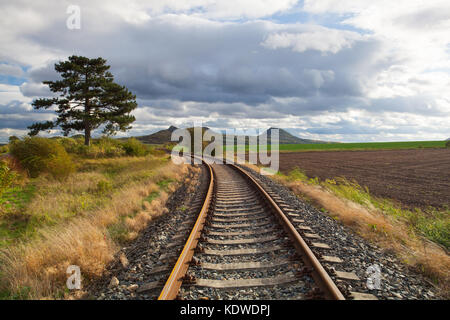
(82, 221)
(421, 238)
(7, 177)
(433, 223)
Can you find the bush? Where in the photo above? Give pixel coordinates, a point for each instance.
(157, 152)
(72, 145)
(447, 144)
(38, 155)
(100, 148)
(103, 187)
(4, 149)
(12, 139)
(7, 177)
(109, 147)
(134, 147)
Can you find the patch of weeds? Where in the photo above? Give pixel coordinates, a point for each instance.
(163, 184)
(434, 224)
(14, 223)
(16, 198)
(21, 294)
(151, 196)
(297, 174)
(103, 186)
(118, 231)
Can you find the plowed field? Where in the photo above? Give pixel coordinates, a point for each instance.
(415, 178)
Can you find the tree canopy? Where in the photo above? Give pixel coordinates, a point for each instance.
(87, 98)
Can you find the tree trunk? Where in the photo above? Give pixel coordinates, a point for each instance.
(87, 126)
(87, 136)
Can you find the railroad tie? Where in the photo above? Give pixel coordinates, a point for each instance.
(243, 241)
(362, 296)
(244, 265)
(304, 228)
(312, 235)
(149, 286)
(239, 225)
(242, 233)
(237, 252)
(346, 275)
(242, 283)
(332, 259)
(320, 245)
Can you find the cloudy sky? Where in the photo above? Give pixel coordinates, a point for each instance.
(339, 70)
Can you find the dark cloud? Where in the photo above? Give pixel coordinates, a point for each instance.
(225, 73)
(19, 115)
(213, 62)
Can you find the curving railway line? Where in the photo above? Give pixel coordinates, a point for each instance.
(242, 237)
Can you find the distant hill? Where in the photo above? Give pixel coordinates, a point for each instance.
(160, 137)
(163, 136)
(287, 138)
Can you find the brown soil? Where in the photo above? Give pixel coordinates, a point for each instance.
(415, 178)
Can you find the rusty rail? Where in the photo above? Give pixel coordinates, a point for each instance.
(173, 283)
(319, 274)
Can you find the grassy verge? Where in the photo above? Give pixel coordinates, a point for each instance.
(348, 146)
(47, 225)
(420, 238)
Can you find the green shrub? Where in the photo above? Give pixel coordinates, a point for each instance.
(72, 145)
(447, 144)
(7, 177)
(100, 148)
(4, 149)
(134, 147)
(156, 152)
(109, 147)
(38, 155)
(103, 186)
(12, 139)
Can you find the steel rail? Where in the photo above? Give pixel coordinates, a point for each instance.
(175, 280)
(319, 274)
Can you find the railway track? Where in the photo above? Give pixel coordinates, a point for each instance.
(244, 239)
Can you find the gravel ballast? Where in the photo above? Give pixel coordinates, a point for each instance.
(136, 263)
(398, 281)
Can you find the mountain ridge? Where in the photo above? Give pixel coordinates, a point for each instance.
(164, 136)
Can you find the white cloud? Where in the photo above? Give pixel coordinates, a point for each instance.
(10, 92)
(139, 11)
(10, 70)
(325, 40)
(413, 32)
(217, 61)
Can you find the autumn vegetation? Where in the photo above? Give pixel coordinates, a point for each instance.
(64, 203)
(419, 238)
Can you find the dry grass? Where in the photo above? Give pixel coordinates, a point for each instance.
(84, 234)
(37, 269)
(150, 211)
(384, 230)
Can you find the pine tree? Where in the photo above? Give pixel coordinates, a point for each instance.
(88, 98)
